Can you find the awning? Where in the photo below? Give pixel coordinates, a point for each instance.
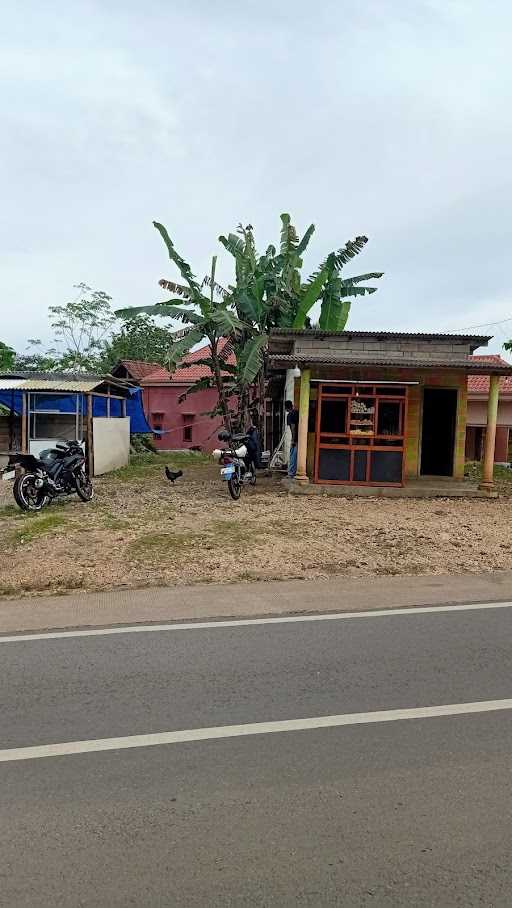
(389, 361)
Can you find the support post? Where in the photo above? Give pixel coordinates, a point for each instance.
(24, 419)
(490, 434)
(302, 443)
(89, 438)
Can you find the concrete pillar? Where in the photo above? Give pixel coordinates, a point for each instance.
(490, 433)
(302, 445)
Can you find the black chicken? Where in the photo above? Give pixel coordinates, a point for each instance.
(173, 476)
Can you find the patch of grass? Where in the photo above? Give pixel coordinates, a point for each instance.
(233, 532)
(502, 476)
(35, 526)
(219, 534)
(163, 544)
(114, 523)
(143, 465)
(9, 510)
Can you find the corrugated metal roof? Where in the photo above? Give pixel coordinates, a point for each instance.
(466, 363)
(317, 332)
(55, 376)
(38, 384)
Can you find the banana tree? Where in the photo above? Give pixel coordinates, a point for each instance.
(203, 315)
(333, 292)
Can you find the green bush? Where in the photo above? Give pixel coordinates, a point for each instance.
(142, 444)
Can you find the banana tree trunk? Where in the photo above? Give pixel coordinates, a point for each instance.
(219, 384)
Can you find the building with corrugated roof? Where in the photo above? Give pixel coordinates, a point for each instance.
(386, 409)
(38, 411)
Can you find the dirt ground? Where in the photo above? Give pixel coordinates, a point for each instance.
(140, 531)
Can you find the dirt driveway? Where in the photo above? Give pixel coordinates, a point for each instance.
(142, 531)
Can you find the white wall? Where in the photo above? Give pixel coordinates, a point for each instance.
(477, 413)
(111, 443)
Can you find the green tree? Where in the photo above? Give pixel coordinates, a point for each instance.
(35, 360)
(269, 293)
(204, 315)
(81, 327)
(81, 331)
(138, 338)
(7, 356)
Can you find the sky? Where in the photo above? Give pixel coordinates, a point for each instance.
(389, 118)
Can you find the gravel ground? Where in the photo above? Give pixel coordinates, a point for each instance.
(142, 531)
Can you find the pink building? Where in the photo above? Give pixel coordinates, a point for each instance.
(184, 423)
(478, 393)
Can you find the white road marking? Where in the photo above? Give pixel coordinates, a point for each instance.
(255, 728)
(248, 622)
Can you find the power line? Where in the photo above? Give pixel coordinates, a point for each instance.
(482, 325)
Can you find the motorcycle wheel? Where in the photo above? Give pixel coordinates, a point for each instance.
(27, 496)
(84, 486)
(234, 487)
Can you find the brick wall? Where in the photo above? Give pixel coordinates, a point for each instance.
(413, 442)
(412, 348)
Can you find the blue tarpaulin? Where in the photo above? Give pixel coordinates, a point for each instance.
(12, 400)
(66, 403)
(135, 410)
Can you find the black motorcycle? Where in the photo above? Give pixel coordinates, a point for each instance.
(56, 472)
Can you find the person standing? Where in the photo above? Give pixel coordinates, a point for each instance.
(253, 458)
(292, 421)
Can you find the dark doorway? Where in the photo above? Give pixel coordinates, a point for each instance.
(438, 436)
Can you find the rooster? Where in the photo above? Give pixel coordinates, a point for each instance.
(173, 476)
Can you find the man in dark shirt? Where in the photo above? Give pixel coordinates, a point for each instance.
(292, 420)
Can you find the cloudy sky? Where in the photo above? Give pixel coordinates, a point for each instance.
(384, 117)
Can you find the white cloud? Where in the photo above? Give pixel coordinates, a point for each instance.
(383, 117)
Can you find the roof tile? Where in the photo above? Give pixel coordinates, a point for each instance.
(479, 384)
(189, 374)
(139, 370)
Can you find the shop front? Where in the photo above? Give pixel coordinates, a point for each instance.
(383, 409)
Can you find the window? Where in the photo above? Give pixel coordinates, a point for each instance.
(333, 416)
(188, 419)
(390, 418)
(157, 421)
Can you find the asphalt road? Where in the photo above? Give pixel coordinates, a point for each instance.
(408, 812)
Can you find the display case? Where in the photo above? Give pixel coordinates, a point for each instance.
(360, 433)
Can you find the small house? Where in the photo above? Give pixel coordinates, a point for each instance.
(39, 411)
(178, 421)
(385, 408)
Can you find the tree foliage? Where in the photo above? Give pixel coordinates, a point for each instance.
(7, 356)
(139, 338)
(209, 315)
(268, 292)
(82, 326)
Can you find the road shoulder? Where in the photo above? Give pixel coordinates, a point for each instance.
(248, 600)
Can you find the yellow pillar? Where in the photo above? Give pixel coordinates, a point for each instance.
(490, 433)
(302, 441)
